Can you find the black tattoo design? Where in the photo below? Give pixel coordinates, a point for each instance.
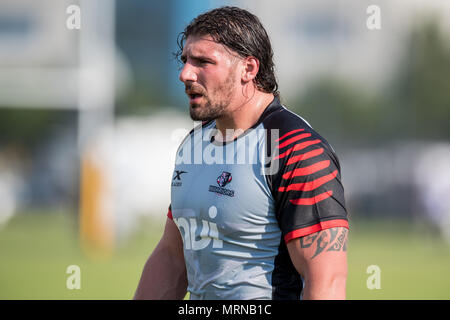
(307, 241)
(326, 238)
(341, 242)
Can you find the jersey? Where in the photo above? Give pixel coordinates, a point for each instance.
(237, 204)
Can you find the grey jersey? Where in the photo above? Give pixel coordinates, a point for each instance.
(237, 204)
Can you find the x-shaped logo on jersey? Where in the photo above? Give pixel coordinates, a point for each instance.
(178, 174)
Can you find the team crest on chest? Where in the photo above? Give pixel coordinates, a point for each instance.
(222, 180)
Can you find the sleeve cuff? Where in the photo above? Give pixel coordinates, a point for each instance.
(301, 232)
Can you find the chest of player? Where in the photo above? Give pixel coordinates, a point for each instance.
(225, 190)
(225, 193)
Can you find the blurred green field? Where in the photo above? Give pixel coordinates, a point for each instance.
(36, 249)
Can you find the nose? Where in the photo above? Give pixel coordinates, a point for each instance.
(188, 73)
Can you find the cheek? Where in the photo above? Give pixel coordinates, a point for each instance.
(204, 80)
(215, 81)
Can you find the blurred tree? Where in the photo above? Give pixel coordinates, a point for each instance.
(421, 92)
(28, 127)
(143, 97)
(415, 103)
(341, 111)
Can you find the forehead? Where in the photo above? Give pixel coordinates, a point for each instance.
(204, 46)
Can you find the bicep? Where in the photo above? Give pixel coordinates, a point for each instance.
(321, 257)
(171, 239)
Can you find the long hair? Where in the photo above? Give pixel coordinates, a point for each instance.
(240, 31)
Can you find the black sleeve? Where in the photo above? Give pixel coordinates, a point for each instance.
(307, 187)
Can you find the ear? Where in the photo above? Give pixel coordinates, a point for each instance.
(250, 69)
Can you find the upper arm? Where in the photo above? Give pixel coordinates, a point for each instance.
(171, 239)
(311, 211)
(321, 259)
(164, 274)
(307, 187)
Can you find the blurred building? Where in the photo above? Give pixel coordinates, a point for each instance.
(124, 48)
(38, 55)
(316, 38)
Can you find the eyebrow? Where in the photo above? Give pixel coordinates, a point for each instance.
(194, 57)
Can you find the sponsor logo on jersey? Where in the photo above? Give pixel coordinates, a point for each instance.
(176, 181)
(197, 237)
(224, 179)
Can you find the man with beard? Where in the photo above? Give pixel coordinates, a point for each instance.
(269, 229)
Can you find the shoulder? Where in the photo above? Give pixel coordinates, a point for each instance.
(290, 132)
(281, 118)
(303, 176)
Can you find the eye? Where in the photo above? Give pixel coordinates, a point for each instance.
(204, 62)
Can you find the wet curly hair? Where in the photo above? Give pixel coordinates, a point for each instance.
(240, 31)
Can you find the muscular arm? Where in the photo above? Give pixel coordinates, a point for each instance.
(164, 274)
(321, 259)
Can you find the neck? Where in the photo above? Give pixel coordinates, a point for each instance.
(243, 116)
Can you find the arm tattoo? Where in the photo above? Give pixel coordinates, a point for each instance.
(307, 241)
(325, 237)
(328, 238)
(340, 243)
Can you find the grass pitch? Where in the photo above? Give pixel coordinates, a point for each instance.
(37, 248)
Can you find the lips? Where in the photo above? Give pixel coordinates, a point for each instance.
(194, 96)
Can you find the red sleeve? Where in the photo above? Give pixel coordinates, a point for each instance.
(315, 228)
(169, 213)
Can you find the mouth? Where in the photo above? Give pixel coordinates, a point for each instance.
(194, 97)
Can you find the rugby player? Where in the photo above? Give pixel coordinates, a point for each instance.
(257, 205)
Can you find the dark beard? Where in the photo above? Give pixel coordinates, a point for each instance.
(208, 112)
(212, 111)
